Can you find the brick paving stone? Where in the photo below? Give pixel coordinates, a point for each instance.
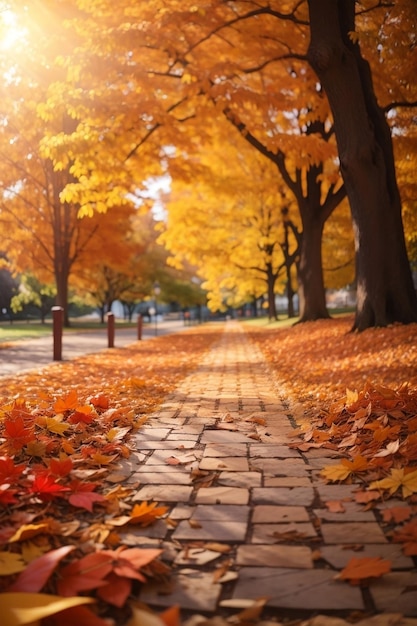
(396, 593)
(303, 496)
(208, 530)
(174, 436)
(220, 449)
(353, 532)
(164, 493)
(164, 445)
(184, 457)
(353, 513)
(163, 477)
(267, 514)
(294, 589)
(275, 556)
(150, 434)
(222, 495)
(182, 511)
(222, 512)
(276, 467)
(240, 479)
(189, 589)
(231, 464)
(338, 556)
(272, 451)
(287, 481)
(276, 533)
(222, 436)
(336, 492)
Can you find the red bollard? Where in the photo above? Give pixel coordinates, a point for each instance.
(110, 329)
(140, 325)
(57, 326)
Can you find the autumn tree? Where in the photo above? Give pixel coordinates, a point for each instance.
(385, 290)
(250, 58)
(32, 292)
(229, 223)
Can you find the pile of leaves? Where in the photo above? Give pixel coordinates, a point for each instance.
(62, 430)
(355, 394)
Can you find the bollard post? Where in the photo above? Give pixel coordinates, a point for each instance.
(57, 325)
(140, 323)
(110, 329)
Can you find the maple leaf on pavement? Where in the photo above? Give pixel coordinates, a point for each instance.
(345, 468)
(404, 477)
(366, 567)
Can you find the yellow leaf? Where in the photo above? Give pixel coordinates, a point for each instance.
(31, 551)
(102, 459)
(402, 477)
(55, 426)
(11, 563)
(117, 433)
(27, 531)
(140, 617)
(17, 609)
(335, 472)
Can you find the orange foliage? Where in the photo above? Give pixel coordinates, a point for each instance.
(61, 430)
(355, 393)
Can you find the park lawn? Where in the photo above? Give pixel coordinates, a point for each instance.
(63, 426)
(21, 331)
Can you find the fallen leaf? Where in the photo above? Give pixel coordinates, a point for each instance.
(17, 609)
(365, 567)
(11, 563)
(37, 573)
(405, 477)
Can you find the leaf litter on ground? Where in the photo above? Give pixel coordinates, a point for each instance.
(64, 427)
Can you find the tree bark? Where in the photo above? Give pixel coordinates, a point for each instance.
(385, 290)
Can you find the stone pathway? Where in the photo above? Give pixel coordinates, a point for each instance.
(247, 516)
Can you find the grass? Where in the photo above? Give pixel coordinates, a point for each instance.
(20, 330)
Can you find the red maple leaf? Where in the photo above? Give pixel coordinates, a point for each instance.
(61, 467)
(17, 433)
(9, 471)
(83, 495)
(85, 574)
(79, 416)
(46, 488)
(7, 495)
(100, 401)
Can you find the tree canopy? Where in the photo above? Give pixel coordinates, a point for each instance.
(114, 93)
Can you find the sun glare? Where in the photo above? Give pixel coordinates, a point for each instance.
(12, 34)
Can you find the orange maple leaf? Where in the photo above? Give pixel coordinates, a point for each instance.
(359, 569)
(67, 402)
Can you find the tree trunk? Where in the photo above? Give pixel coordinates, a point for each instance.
(311, 292)
(271, 279)
(385, 290)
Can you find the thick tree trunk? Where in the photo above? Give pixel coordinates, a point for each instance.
(385, 291)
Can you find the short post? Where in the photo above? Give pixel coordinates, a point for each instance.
(57, 326)
(140, 324)
(110, 329)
